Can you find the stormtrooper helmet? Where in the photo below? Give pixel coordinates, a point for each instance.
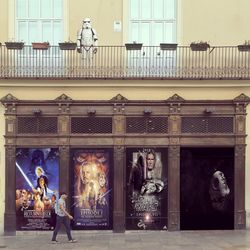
(86, 23)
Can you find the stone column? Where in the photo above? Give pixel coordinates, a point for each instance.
(10, 187)
(119, 173)
(239, 167)
(9, 103)
(174, 188)
(174, 162)
(241, 103)
(119, 190)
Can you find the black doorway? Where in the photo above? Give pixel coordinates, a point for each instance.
(206, 188)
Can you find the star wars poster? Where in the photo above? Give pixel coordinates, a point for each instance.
(207, 188)
(92, 188)
(37, 185)
(146, 195)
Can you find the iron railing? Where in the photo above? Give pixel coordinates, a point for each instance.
(116, 62)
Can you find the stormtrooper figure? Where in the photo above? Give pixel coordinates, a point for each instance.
(87, 41)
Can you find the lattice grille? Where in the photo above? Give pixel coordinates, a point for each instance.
(207, 125)
(91, 125)
(147, 125)
(37, 125)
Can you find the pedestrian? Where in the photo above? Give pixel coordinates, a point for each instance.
(62, 218)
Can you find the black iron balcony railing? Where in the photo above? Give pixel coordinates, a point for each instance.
(119, 62)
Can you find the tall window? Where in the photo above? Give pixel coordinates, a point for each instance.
(152, 21)
(39, 21)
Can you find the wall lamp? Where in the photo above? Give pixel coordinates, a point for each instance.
(209, 110)
(147, 111)
(36, 111)
(91, 111)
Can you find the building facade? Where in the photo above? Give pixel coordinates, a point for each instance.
(147, 133)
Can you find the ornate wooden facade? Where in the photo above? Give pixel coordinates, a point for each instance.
(120, 123)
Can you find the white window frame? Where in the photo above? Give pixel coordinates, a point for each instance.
(29, 59)
(12, 28)
(150, 60)
(151, 21)
(39, 21)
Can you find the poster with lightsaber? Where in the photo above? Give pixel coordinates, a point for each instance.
(92, 188)
(146, 188)
(37, 185)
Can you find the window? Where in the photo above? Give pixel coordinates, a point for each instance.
(39, 21)
(152, 21)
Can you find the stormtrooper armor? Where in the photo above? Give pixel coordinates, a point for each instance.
(87, 40)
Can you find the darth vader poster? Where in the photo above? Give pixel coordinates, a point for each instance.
(207, 188)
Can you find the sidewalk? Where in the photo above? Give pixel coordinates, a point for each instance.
(132, 240)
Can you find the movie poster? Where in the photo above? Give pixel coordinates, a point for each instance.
(146, 195)
(37, 185)
(206, 188)
(92, 188)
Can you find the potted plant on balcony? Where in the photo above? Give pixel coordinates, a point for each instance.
(133, 46)
(168, 46)
(67, 45)
(245, 46)
(199, 46)
(42, 46)
(14, 45)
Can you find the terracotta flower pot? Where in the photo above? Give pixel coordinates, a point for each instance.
(168, 46)
(133, 46)
(244, 47)
(67, 46)
(199, 46)
(14, 45)
(43, 46)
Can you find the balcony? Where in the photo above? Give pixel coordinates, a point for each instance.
(119, 62)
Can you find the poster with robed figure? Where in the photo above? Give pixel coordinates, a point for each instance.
(146, 188)
(92, 188)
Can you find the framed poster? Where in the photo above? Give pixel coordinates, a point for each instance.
(92, 188)
(146, 192)
(206, 188)
(37, 185)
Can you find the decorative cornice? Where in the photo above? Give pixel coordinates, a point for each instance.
(175, 98)
(8, 98)
(242, 98)
(63, 98)
(119, 98)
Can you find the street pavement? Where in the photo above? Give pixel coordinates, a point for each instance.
(132, 240)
